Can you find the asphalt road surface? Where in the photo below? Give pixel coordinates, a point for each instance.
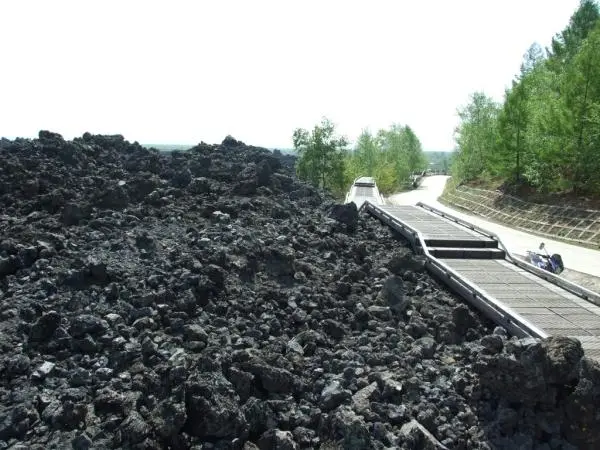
(582, 265)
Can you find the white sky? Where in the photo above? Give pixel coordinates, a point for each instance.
(191, 71)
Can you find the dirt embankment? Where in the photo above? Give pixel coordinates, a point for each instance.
(209, 300)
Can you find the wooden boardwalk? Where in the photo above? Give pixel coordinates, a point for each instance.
(547, 308)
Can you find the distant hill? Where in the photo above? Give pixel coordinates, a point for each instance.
(169, 147)
(180, 147)
(285, 151)
(439, 161)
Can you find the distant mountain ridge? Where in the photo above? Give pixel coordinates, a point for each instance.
(169, 147)
(287, 151)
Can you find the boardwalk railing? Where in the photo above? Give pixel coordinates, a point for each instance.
(567, 285)
(493, 309)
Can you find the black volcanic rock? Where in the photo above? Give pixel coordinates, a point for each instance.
(346, 214)
(209, 299)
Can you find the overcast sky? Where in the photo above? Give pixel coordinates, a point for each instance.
(190, 71)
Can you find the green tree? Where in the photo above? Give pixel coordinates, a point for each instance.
(393, 146)
(532, 58)
(512, 122)
(367, 153)
(321, 156)
(389, 157)
(547, 131)
(477, 138)
(513, 118)
(417, 162)
(566, 44)
(582, 96)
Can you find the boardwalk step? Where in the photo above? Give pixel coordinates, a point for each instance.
(460, 243)
(469, 253)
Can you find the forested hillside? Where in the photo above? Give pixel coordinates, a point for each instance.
(545, 134)
(325, 160)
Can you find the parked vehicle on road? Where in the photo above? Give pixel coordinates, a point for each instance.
(551, 263)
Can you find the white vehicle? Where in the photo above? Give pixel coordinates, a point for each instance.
(363, 189)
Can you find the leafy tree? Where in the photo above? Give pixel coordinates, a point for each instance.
(513, 118)
(402, 151)
(582, 95)
(532, 59)
(512, 122)
(321, 156)
(417, 162)
(367, 153)
(565, 45)
(476, 138)
(389, 157)
(547, 131)
(394, 148)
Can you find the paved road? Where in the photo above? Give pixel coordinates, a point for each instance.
(581, 264)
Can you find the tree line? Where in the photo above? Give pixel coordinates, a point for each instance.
(325, 159)
(546, 132)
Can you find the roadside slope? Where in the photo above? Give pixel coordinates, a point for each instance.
(557, 219)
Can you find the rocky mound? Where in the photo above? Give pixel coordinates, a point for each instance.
(207, 299)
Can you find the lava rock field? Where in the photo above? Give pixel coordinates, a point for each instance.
(207, 299)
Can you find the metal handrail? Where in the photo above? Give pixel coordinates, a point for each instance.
(567, 285)
(447, 272)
